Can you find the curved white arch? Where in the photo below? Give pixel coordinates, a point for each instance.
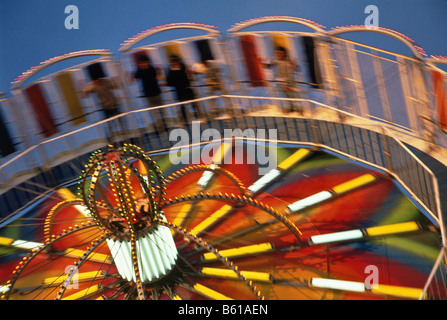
(415, 49)
(33, 70)
(126, 45)
(247, 23)
(437, 60)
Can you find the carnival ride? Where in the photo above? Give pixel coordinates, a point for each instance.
(348, 212)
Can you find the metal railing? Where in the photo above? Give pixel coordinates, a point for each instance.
(366, 141)
(436, 285)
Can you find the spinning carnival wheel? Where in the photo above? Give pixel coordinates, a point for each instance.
(309, 229)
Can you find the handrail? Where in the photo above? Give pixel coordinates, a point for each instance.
(95, 124)
(371, 124)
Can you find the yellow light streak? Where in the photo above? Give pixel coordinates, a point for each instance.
(84, 293)
(293, 159)
(66, 194)
(241, 251)
(397, 291)
(95, 257)
(211, 219)
(228, 273)
(354, 183)
(181, 216)
(209, 293)
(93, 275)
(393, 228)
(6, 241)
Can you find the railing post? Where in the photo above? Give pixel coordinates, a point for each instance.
(435, 268)
(386, 151)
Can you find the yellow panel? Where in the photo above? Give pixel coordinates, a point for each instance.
(211, 219)
(402, 292)
(210, 293)
(241, 251)
(281, 40)
(172, 50)
(71, 97)
(393, 228)
(293, 159)
(354, 183)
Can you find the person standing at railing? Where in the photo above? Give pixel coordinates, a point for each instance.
(212, 80)
(285, 73)
(149, 77)
(103, 88)
(179, 78)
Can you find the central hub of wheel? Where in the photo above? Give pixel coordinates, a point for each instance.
(142, 249)
(156, 255)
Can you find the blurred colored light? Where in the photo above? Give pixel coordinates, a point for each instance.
(262, 182)
(228, 273)
(293, 159)
(209, 293)
(309, 201)
(337, 236)
(393, 228)
(338, 284)
(354, 183)
(241, 251)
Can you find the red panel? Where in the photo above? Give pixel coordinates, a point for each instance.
(252, 61)
(41, 111)
(440, 98)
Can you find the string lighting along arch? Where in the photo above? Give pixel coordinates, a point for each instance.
(251, 22)
(127, 44)
(19, 81)
(410, 43)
